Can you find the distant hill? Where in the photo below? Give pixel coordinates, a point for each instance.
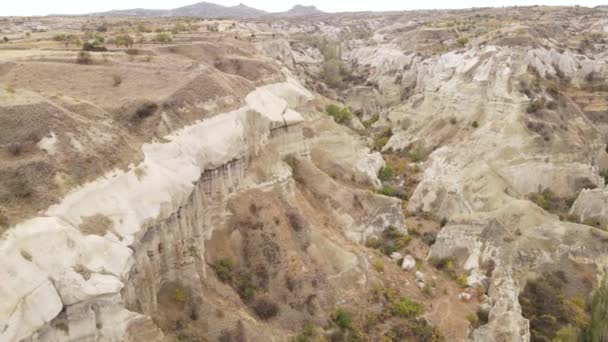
(201, 9)
(299, 10)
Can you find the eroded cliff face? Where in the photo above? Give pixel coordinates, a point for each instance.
(106, 261)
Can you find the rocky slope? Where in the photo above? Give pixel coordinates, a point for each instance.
(222, 202)
(499, 117)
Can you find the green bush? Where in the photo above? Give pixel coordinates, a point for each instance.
(597, 331)
(407, 308)
(84, 57)
(307, 333)
(387, 191)
(462, 41)
(385, 173)
(343, 319)
(340, 115)
(224, 269)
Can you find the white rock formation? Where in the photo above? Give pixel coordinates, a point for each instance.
(409, 263)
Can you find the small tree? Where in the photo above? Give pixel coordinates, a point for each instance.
(163, 38)
(5, 39)
(124, 40)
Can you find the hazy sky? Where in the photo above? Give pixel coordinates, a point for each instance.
(43, 7)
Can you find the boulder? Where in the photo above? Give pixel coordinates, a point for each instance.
(409, 263)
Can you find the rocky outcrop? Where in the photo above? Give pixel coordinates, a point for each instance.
(591, 206)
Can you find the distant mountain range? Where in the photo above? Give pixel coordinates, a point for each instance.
(211, 10)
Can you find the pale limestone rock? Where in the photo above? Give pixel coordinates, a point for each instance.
(369, 165)
(591, 205)
(48, 143)
(409, 263)
(465, 296)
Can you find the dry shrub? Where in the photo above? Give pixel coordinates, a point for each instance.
(84, 58)
(145, 110)
(265, 308)
(15, 149)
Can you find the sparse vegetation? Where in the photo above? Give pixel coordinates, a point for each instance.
(391, 240)
(382, 139)
(447, 265)
(418, 153)
(378, 265)
(543, 302)
(549, 201)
